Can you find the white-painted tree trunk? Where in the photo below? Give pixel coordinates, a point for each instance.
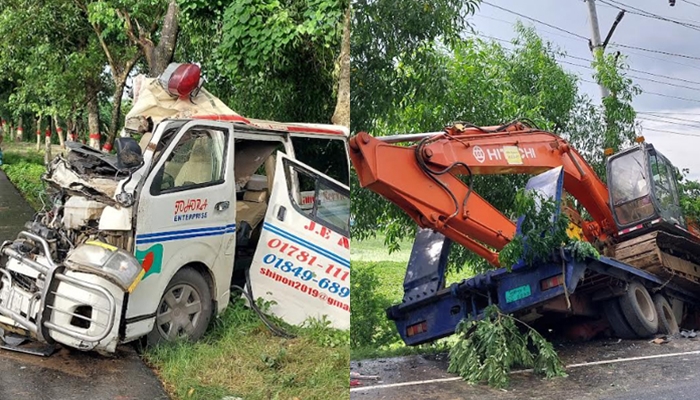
(38, 134)
(59, 132)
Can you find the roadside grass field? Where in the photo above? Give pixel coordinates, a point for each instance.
(24, 167)
(372, 257)
(239, 356)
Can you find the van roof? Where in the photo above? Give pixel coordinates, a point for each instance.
(292, 127)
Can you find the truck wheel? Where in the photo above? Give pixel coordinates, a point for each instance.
(185, 309)
(639, 310)
(667, 319)
(617, 320)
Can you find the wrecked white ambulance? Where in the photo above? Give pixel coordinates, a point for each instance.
(147, 244)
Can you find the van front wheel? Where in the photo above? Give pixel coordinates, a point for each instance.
(185, 309)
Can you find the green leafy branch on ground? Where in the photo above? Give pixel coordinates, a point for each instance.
(489, 348)
(543, 232)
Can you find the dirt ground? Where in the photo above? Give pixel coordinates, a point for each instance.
(670, 377)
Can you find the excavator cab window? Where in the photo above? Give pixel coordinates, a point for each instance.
(665, 188)
(643, 187)
(630, 188)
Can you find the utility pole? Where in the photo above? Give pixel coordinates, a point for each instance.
(595, 43)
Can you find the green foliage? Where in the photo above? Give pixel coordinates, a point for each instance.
(543, 233)
(689, 193)
(25, 173)
(490, 347)
(267, 59)
(370, 327)
(543, 230)
(486, 84)
(390, 33)
(476, 81)
(580, 250)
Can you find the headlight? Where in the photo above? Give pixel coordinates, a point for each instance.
(105, 260)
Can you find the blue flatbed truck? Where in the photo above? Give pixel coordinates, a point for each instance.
(635, 302)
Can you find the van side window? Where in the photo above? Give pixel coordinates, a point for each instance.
(198, 160)
(318, 198)
(325, 155)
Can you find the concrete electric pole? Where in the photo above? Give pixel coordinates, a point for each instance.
(596, 45)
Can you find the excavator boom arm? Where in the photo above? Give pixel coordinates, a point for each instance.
(423, 179)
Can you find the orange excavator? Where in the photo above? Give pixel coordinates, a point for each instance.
(646, 282)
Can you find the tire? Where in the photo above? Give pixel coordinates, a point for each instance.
(639, 311)
(667, 319)
(178, 316)
(617, 320)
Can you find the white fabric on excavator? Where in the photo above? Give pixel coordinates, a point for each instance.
(150, 100)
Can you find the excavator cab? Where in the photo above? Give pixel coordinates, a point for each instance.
(643, 190)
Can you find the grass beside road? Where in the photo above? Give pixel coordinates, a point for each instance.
(377, 284)
(24, 167)
(240, 357)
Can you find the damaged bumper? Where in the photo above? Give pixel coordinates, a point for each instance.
(74, 304)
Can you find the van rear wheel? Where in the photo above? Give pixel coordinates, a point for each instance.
(185, 309)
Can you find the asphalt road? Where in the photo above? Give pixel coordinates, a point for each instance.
(667, 371)
(67, 374)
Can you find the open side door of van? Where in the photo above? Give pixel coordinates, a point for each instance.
(302, 262)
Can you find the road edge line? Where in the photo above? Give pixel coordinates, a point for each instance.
(579, 365)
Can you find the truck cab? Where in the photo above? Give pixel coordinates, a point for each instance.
(149, 243)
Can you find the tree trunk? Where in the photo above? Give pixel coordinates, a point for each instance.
(93, 107)
(158, 57)
(20, 131)
(342, 108)
(120, 82)
(47, 143)
(70, 129)
(59, 132)
(38, 133)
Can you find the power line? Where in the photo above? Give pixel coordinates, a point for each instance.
(660, 115)
(655, 93)
(669, 122)
(630, 69)
(641, 78)
(691, 3)
(670, 97)
(513, 24)
(658, 51)
(668, 112)
(657, 58)
(536, 20)
(671, 132)
(647, 14)
(612, 44)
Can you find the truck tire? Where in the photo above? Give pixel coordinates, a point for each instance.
(639, 311)
(667, 319)
(185, 309)
(617, 320)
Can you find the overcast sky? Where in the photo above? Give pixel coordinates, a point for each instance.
(673, 115)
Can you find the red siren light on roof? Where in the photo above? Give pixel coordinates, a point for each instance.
(182, 80)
